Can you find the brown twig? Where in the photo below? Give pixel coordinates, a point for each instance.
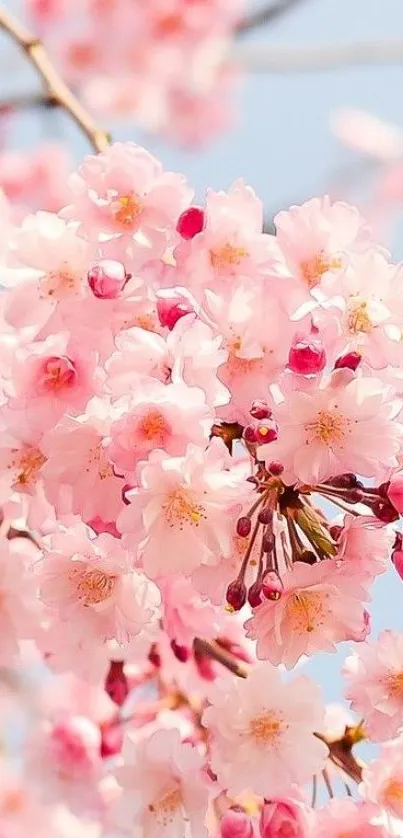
(268, 14)
(341, 755)
(56, 89)
(211, 649)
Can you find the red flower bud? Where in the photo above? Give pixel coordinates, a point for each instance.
(260, 409)
(272, 586)
(181, 652)
(395, 491)
(116, 684)
(243, 526)
(236, 594)
(350, 361)
(191, 222)
(171, 309)
(236, 824)
(307, 355)
(107, 279)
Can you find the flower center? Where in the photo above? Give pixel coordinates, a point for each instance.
(328, 427)
(394, 685)
(266, 728)
(154, 427)
(305, 611)
(58, 373)
(28, 463)
(93, 585)
(393, 794)
(313, 269)
(59, 284)
(127, 209)
(358, 319)
(166, 807)
(227, 256)
(181, 508)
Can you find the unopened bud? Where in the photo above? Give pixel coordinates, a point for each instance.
(243, 526)
(395, 491)
(181, 652)
(282, 819)
(307, 355)
(171, 309)
(255, 594)
(236, 594)
(116, 684)
(236, 824)
(191, 222)
(276, 468)
(107, 279)
(260, 409)
(384, 511)
(272, 587)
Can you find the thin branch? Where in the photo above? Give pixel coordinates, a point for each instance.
(264, 58)
(55, 88)
(211, 649)
(267, 14)
(23, 101)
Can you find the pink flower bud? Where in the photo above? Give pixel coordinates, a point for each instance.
(181, 652)
(236, 824)
(272, 586)
(255, 594)
(191, 222)
(266, 431)
(384, 511)
(260, 409)
(74, 746)
(350, 361)
(276, 468)
(395, 491)
(116, 684)
(282, 819)
(107, 279)
(307, 355)
(171, 309)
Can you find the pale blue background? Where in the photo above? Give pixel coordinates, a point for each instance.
(284, 148)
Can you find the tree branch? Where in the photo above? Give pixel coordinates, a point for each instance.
(268, 14)
(264, 58)
(57, 91)
(211, 649)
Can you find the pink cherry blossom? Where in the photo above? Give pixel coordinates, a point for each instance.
(340, 427)
(347, 817)
(162, 787)
(320, 606)
(382, 780)
(366, 543)
(258, 727)
(159, 416)
(89, 586)
(374, 676)
(179, 516)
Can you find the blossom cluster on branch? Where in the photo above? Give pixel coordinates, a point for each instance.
(200, 477)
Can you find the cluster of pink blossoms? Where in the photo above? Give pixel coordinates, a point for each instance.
(200, 478)
(163, 62)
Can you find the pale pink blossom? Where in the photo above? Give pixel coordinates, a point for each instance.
(382, 778)
(179, 515)
(50, 377)
(186, 614)
(19, 609)
(78, 474)
(139, 354)
(95, 600)
(320, 606)
(343, 426)
(374, 684)
(163, 788)
(259, 727)
(365, 542)
(125, 192)
(317, 239)
(159, 416)
(344, 818)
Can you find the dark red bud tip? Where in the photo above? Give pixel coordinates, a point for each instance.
(266, 431)
(276, 468)
(343, 481)
(107, 279)
(249, 433)
(265, 515)
(243, 526)
(111, 739)
(260, 409)
(335, 532)
(272, 587)
(255, 595)
(268, 542)
(236, 594)
(191, 222)
(350, 361)
(384, 511)
(154, 656)
(181, 652)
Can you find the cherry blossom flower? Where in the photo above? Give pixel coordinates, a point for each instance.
(178, 517)
(347, 817)
(162, 787)
(320, 606)
(374, 676)
(344, 426)
(382, 780)
(258, 727)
